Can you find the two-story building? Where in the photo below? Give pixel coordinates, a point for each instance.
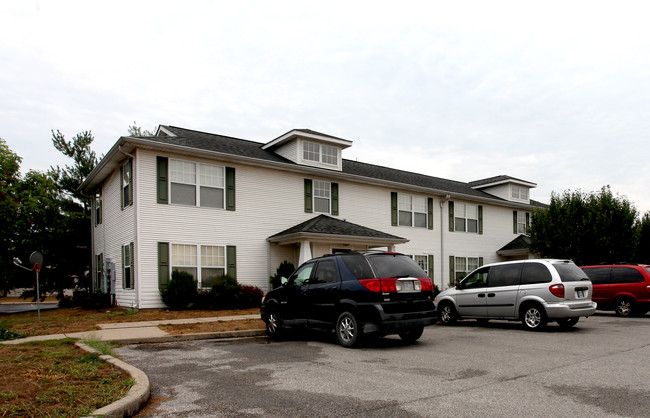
(211, 205)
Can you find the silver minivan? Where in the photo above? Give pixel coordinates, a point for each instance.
(532, 291)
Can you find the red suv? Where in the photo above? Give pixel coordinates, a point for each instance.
(622, 287)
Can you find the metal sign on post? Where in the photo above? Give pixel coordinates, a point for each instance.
(36, 260)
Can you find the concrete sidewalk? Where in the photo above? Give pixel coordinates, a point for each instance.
(148, 331)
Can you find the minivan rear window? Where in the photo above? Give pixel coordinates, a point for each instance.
(535, 273)
(626, 275)
(358, 266)
(569, 272)
(395, 265)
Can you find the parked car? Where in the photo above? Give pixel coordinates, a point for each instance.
(532, 291)
(625, 288)
(355, 294)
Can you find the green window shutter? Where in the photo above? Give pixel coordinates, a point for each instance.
(231, 261)
(451, 216)
(163, 264)
(393, 208)
(123, 269)
(480, 220)
(132, 272)
(122, 187)
(430, 212)
(130, 163)
(430, 263)
(335, 198)
(527, 221)
(308, 196)
(230, 188)
(162, 186)
(480, 261)
(452, 270)
(514, 221)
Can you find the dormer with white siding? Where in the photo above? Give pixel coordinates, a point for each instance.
(310, 148)
(505, 187)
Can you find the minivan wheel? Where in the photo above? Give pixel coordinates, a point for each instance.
(624, 306)
(567, 323)
(411, 335)
(448, 314)
(534, 318)
(347, 330)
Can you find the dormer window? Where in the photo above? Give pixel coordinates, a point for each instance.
(519, 192)
(319, 153)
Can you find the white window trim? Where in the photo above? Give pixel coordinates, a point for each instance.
(197, 183)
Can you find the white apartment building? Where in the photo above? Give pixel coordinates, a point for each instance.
(211, 204)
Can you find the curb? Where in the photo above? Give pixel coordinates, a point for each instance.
(138, 395)
(190, 337)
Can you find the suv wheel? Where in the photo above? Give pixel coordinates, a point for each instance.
(533, 317)
(274, 325)
(624, 306)
(448, 314)
(411, 335)
(347, 330)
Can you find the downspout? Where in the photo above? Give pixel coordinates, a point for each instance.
(136, 239)
(442, 240)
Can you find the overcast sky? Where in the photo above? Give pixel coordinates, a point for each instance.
(555, 93)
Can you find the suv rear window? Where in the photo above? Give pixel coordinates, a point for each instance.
(395, 265)
(569, 272)
(358, 266)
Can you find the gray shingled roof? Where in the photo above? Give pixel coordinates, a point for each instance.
(323, 224)
(522, 242)
(252, 149)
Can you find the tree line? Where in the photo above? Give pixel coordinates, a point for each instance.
(45, 211)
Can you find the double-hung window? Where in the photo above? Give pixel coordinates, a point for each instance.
(213, 264)
(518, 192)
(521, 222)
(128, 274)
(126, 180)
(206, 268)
(412, 210)
(465, 217)
(465, 265)
(320, 153)
(322, 196)
(192, 183)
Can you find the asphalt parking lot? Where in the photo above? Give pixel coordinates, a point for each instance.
(600, 368)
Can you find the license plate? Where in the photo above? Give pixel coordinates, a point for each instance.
(581, 294)
(407, 286)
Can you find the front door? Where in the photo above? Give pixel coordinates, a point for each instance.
(471, 296)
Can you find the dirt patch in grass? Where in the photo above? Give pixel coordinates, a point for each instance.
(56, 378)
(213, 326)
(61, 321)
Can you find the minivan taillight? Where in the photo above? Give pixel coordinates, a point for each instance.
(557, 290)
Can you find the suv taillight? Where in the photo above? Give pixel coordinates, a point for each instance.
(427, 284)
(391, 285)
(557, 290)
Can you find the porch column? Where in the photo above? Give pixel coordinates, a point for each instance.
(305, 252)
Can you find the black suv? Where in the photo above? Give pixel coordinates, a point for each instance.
(356, 295)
